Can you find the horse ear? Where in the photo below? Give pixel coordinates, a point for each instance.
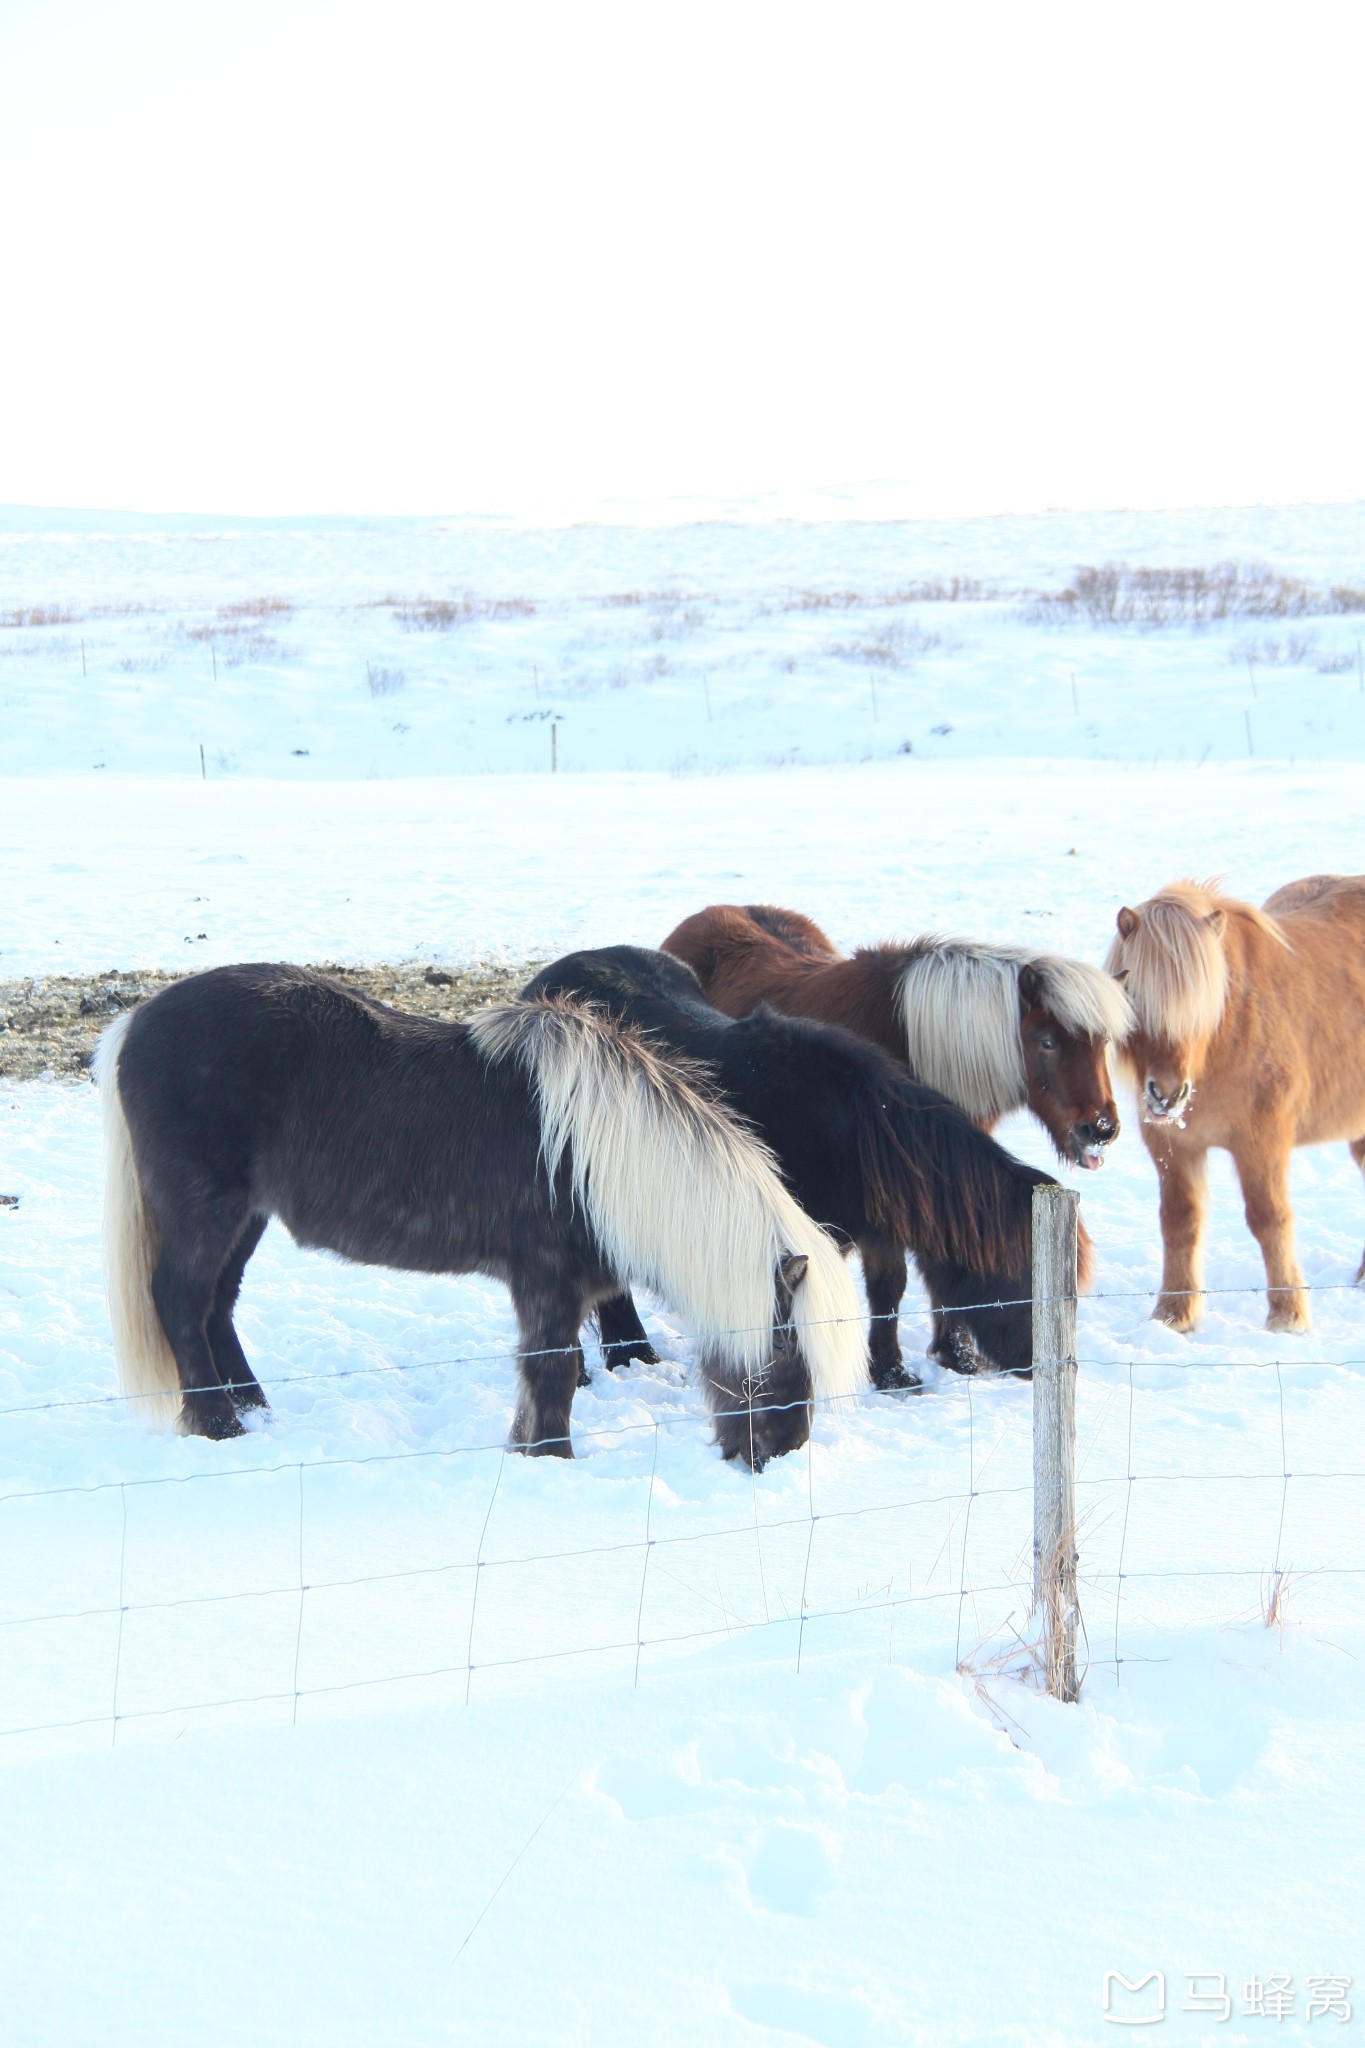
(1030, 987)
(792, 1266)
(1128, 922)
(1216, 921)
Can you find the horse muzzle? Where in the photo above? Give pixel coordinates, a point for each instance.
(1091, 1140)
(1160, 1107)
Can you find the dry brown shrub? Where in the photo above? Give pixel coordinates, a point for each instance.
(894, 645)
(41, 615)
(439, 614)
(1116, 595)
(257, 608)
(933, 590)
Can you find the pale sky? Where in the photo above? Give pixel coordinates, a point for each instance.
(404, 257)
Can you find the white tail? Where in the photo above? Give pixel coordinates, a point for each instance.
(681, 1195)
(146, 1364)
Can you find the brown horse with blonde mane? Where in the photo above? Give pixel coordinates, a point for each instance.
(1250, 1031)
(994, 1028)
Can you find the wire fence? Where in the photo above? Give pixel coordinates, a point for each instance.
(903, 1526)
(763, 1556)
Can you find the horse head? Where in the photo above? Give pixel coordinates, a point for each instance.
(760, 1394)
(1169, 955)
(1068, 1018)
(765, 1413)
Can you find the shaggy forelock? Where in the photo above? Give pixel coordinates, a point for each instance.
(1085, 1000)
(1175, 963)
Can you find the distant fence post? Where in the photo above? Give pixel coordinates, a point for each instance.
(1056, 1212)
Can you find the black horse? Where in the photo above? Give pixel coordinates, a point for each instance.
(880, 1159)
(548, 1146)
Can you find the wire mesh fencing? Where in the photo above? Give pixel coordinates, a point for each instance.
(296, 1581)
(1225, 1493)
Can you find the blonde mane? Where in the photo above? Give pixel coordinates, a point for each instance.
(667, 1175)
(959, 1009)
(1083, 999)
(1175, 963)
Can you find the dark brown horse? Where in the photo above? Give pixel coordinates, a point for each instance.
(877, 1158)
(994, 1028)
(545, 1145)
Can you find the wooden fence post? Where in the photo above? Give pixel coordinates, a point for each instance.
(1056, 1212)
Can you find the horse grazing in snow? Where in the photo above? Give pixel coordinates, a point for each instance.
(1251, 1037)
(994, 1028)
(879, 1159)
(546, 1146)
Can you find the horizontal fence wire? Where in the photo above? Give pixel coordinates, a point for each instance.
(405, 1366)
(654, 1546)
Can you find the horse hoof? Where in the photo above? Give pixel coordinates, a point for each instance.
(548, 1447)
(618, 1356)
(215, 1421)
(733, 1455)
(956, 1357)
(1180, 1319)
(1288, 1321)
(894, 1379)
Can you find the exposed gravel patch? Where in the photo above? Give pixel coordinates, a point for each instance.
(48, 1026)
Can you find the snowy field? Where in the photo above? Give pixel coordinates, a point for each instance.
(415, 648)
(722, 1760)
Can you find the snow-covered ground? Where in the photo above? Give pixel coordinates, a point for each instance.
(411, 648)
(661, 1806)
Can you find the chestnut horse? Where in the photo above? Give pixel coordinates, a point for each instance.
(992, 1028)
(1251, 1037)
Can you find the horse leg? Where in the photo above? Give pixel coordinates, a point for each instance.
(884, 1276)
(972, 1330)
(622, 1333)
(1358, 1154)
(549, 1314)
(194, 1252)
(1184, 1177)
(1270, 1219)
(228, 1356)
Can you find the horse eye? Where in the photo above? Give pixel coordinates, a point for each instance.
(1048, 1042)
